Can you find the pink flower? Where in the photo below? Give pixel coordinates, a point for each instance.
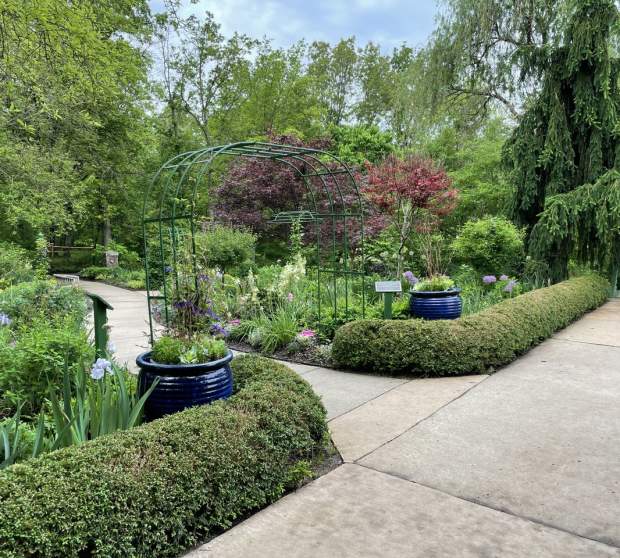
(307, 333)
(234, 322)
(290, 297)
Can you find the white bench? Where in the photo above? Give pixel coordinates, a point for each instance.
(66, 278)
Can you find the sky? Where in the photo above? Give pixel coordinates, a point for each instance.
(387, 22)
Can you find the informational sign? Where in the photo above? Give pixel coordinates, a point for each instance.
(388, 287)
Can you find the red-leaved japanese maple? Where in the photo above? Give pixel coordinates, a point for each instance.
(412, 192)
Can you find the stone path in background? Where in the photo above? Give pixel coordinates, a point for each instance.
(522, 463)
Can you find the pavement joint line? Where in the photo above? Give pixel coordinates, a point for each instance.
(371, 399)
(489, 507)
(421, 420)
(582, 342)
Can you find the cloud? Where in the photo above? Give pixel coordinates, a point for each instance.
(387, 22)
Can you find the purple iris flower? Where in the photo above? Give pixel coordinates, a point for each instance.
(167, 269)
(503, 277)
(489, 279)
(4, 319)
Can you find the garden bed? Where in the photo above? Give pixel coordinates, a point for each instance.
(477, 343)
(158, 489)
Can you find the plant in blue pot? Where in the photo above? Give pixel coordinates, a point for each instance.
(435, 298)
(189, 371)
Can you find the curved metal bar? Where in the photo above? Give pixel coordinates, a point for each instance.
(276, 152)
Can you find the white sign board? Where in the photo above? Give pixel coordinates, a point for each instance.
(388, 287)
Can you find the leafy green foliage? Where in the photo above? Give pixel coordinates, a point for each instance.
(93, 407)
(436, 283)
(568, 136)
(116, 276)
(175, 350)
(43, 301)
(470, 344)
(199, 470)
(35, 356)
(491, 245)
(585, 222)
(225, 248)
(15, 265)
(357, 144)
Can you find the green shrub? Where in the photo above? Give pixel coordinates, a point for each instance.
(161, 488)
(15, 265)
(34, 300)
(491, 245)
(35, 356)
(474, 343)
(225, 248)
(116, 276)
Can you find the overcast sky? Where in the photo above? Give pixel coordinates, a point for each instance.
(387, 22)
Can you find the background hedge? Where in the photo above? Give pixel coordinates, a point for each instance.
(474, 343)
(158, 489)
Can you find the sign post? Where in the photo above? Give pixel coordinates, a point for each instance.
(388, 288)
(100, 308)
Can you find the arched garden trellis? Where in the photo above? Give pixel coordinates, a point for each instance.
(331, 205)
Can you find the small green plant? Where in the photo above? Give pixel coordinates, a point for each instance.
(96, 404)
(168, 350)
(437, 283)
(225, 248)
(176, 350)
(15, 265)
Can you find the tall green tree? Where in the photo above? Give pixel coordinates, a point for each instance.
(566, 142)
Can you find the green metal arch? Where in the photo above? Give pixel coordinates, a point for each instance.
(179, 179)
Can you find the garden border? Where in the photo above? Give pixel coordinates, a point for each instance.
(472, 344)
(158, 489)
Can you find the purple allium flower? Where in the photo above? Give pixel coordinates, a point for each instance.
(99, 369)
(510, 286)
(411, 278)
(503, 277)
(489, 279)
(290, 297)
(4, 319)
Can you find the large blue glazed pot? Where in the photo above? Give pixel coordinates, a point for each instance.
(183, 385)
(436, 305)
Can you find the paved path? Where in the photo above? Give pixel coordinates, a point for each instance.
(525, 463)
(129, 321)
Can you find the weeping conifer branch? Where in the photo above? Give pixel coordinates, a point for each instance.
(566, 141)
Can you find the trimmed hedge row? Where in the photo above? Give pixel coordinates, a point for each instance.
(158, 489)
(475, 343)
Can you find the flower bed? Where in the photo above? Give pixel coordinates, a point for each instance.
(475, 343)
(158, 489)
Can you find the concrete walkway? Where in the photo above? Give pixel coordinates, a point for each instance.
(525, 463)
(129, 321)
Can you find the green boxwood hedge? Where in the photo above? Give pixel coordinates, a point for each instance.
(160, 488)
(475, 343)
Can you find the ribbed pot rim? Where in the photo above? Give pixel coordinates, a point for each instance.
(145, 363)
(435, 294)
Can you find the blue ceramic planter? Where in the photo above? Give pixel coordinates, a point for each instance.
(183, 385)
(436, 305)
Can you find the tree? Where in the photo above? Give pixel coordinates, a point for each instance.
(409, 190)
(567, 140)
(494, 51)
(333, 70)
(72, 84)
(357, 144)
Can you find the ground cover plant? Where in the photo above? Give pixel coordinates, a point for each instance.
(200, 470)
